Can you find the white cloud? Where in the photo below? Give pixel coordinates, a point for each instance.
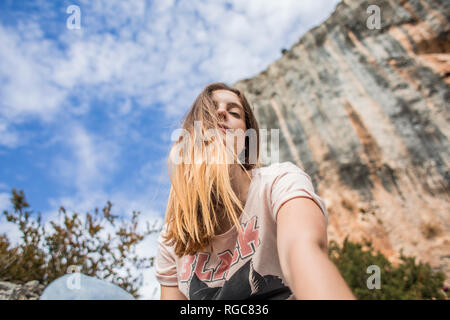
(3, 186)
(26, 73)
(5, 203)
(150, 289)
(154, 45)
(8, 136)
(10, 229)
(90, 161)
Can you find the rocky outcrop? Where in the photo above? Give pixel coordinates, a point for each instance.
(366, 113)
(31, 290)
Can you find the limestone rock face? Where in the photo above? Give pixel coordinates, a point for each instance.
(365, 112)
(31, 290)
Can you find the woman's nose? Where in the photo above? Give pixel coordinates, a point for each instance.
(222, 113)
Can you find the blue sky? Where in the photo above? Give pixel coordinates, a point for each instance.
(86, 115)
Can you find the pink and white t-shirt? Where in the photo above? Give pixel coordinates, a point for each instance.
(245, 266)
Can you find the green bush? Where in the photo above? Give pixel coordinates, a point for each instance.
(406, 281)
(46, 255)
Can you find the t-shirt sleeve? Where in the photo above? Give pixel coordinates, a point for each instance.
(165, 264)
(292, 182)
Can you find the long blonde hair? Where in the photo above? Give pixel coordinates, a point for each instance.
(200, 189)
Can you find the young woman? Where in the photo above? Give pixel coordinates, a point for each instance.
(234, 229)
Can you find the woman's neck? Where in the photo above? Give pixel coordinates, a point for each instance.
(240, 181)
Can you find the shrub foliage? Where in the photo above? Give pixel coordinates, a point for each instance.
(406, 281)
(99, 245)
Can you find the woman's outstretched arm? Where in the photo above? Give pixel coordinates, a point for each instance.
(303, 252)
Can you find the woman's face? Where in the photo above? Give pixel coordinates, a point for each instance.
(229, 109)
(231, 115)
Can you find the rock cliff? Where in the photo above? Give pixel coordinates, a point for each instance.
(365, 112)
(31, 290)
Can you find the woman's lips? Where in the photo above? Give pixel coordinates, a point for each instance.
(224, 130)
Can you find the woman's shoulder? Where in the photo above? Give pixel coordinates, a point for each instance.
(280, 168)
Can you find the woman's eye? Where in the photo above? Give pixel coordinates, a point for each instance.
(236, 114)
